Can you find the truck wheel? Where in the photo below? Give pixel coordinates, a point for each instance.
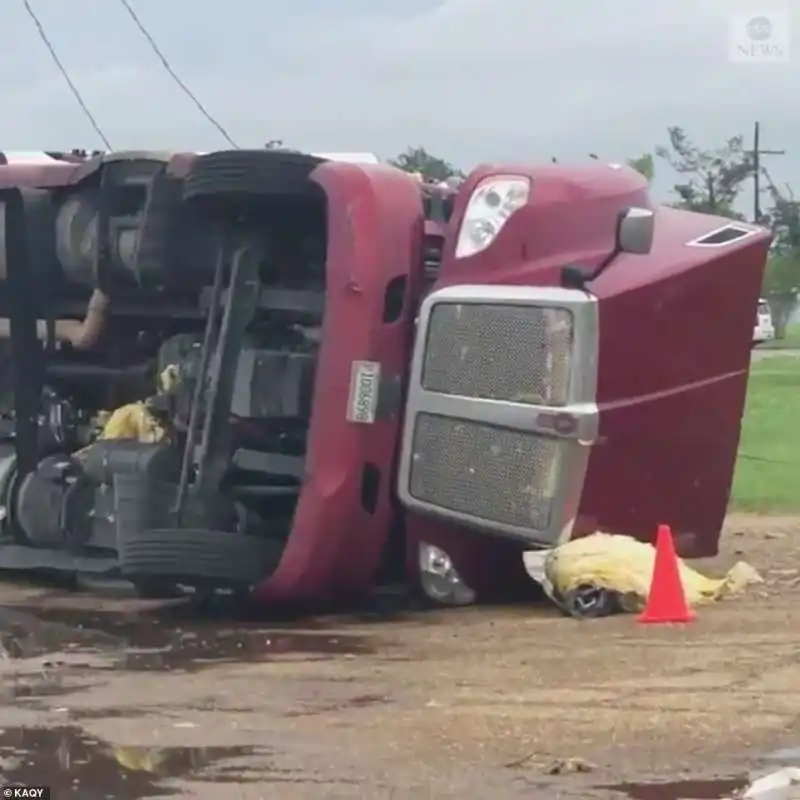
(249, 172)
(157, 228)
(197, 557)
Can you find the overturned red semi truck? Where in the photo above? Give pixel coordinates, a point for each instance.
(369, 380)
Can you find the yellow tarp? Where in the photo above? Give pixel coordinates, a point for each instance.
(625, 566)
(134, 420)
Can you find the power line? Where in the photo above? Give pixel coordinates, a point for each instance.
(65, 74)
(163, 59)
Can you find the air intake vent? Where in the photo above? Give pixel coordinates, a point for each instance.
(722, 236)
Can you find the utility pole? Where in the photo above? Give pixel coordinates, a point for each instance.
(757, 152)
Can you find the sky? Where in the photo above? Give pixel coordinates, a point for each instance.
(471, 80)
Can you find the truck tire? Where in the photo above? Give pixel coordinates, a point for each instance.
(249, 172)
(197, 557)
(157, 229)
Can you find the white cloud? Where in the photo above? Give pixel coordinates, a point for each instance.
(473, 79)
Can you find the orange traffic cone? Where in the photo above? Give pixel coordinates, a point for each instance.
(666, 601)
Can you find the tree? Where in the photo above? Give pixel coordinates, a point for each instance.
(782, 276)
(781, 289)
(644, 164)
(419, 160)
(783, 217)
(712, 179)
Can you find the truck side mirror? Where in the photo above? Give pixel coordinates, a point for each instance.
(635, 231)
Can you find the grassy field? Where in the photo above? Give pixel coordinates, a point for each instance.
(768, 471)
(790, 342)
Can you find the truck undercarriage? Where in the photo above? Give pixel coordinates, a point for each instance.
(265, 372)
(208, 357)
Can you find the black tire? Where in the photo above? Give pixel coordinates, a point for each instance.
(197, 557)
(249, 172)
(590, 602)
(158, 228)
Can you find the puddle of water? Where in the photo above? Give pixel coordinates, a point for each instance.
(23, 635)
(359, 701)
(192, 650)
(711, 789)
(162, 641)
(38, 689)
(113, 712)
(69, 761)
(786, 757)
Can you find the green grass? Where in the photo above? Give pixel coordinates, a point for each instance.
(768, 470)
(790, 342)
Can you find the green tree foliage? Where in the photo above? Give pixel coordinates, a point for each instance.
(783, 217)
(781, 284)
(645, 164)
(710, 179)
(419, 160)
(782, 277)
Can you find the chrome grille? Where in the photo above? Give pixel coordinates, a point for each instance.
(512, 353)
(477, 469)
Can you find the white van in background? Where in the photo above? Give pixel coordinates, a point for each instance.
(764, 330)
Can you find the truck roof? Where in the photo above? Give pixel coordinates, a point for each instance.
(350, 158)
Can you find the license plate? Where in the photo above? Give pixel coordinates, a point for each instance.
(362, 404)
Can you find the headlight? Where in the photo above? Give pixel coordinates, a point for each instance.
(492, 202)
(440, 580)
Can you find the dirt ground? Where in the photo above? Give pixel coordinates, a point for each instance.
(488, 702)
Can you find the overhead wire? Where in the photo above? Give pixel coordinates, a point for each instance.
(65, 73)
(175, 77)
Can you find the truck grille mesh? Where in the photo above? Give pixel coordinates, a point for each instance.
(484, 471)
(512, 353)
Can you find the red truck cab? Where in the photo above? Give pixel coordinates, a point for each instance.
(546, 402)
(368, 378)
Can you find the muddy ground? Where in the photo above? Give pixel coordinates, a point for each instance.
(106, 698)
